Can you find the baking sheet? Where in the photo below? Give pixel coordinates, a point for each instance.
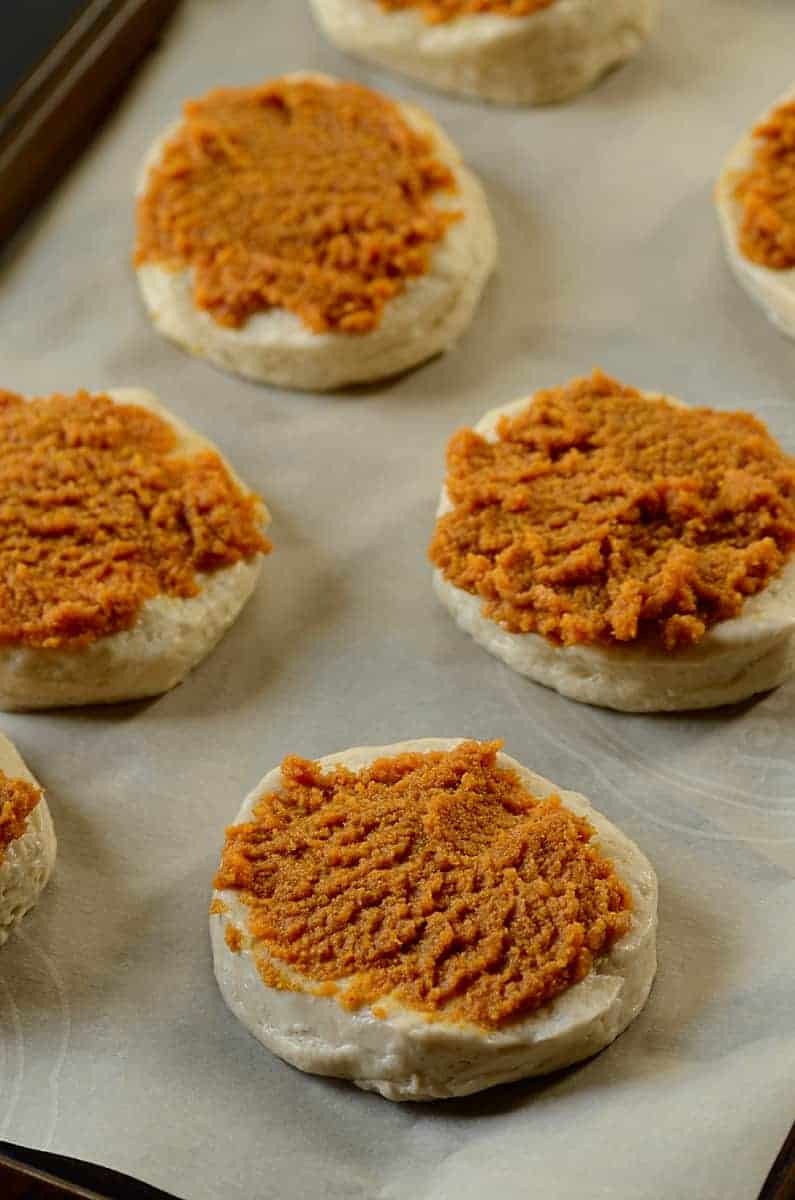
(114, 1042)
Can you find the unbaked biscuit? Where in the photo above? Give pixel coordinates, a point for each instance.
(755, 197)
(508, 51)
(310, 233)
(127, 548)
(27, 839)
(622, 549)
(429, 919)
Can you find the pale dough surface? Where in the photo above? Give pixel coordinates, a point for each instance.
(28, 861)
(736, 659)
(773, 290)
(405, 1056)
(547, 56)
(169, 638)
(276, 347)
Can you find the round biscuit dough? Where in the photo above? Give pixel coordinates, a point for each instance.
(734, 660)
(28, 861)
(275, 347)
(404, 1056)
(170, 636)
(548, 56)
(773, 290)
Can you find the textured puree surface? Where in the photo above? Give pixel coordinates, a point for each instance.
(18, 798)
(98, 515)
(297, 195)
(434, 879)
(437, 11)
(602, 516)
(767, 193)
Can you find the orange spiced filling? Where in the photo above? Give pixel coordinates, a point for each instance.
(295, 195)
(434, 879)
(18, 798)
(99, 514)
(767, 193)
(437, 11)
(598, 516)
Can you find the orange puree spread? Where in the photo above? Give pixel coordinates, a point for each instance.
(18, 798)
(295, 195)
(601, 516)
(436, 11)
(767, 193)
(435, 879)
(97, 515)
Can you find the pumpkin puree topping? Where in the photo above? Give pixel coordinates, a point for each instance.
(767, 193)
(297, 195)
(97, 515)
(18, 798)
(601, 516)
(437, 11)
(434, 879)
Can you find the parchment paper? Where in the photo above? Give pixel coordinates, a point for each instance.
(114, 1042)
